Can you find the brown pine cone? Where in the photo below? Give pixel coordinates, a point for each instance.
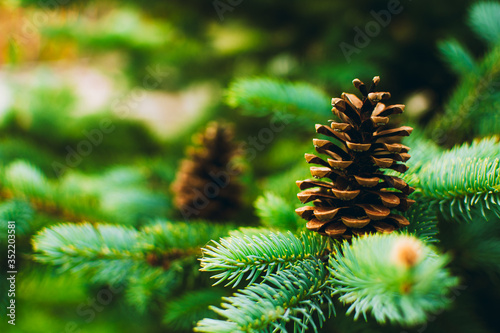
(357, 198)
(206, 185)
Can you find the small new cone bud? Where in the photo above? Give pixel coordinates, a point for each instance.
(406, 252)
(351, 194)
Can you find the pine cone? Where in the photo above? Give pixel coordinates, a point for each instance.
(359, 198)
(205, 185)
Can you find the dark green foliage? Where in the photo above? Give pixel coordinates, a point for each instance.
(183, 313)
(423, 221)
(471, 110)
(250, 256)
(463, 179)
(293, 295)
(149, 264)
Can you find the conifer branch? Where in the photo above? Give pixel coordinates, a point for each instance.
(108, 252)
(458, 58)
(164, 235)
(423, 220)
(455, 181)
(289, 295)
(16, 210)
(469, 108)
(234, 258)
(183, 313)
(103, 252)
(75, 197)
(460, 184)
(263, 96)
(484, 19)
(396, 278)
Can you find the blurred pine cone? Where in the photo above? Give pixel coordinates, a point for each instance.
(358, 198)
(206, 186)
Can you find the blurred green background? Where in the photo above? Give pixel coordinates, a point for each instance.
(99, 101)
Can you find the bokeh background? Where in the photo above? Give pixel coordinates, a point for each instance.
(154, 73)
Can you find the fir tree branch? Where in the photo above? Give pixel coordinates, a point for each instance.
(146, 285)
(484, 19)
(397, 278)
(152, 263)
(289, 295)
(469, 111)
(233, 258)
(183, 313)
(26, 181)
(455, 181)
(263, 96)
(104, 252)
(18, 211)
(423, 219)
(460, 184)
(470, 104)
(119, 194)
(458, 58)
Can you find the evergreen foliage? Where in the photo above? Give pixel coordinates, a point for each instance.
(183, 313)
(475, 99)
(291, 295)
(424, 221)
(461, 180)
(264, 96)
(111, 227)
(376, 274)
(150, 263)
(75, 196)
(16, 210)
(251, 256)
(484, 21)
(463, 61)
(362, 273)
